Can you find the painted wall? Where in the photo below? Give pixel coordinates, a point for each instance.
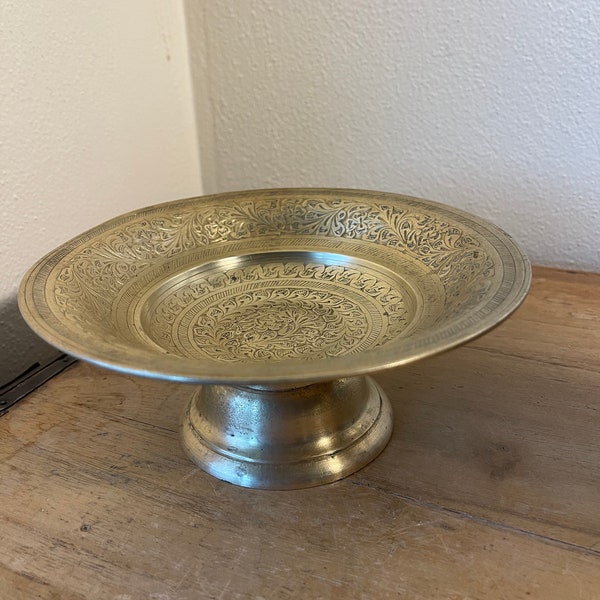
(490, 106)
(96, 119)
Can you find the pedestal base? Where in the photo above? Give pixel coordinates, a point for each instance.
(275, 438)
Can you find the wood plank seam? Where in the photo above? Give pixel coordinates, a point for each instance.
(528, 358)
(482, 520)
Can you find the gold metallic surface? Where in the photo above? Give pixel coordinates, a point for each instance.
(272, 288)
(285, 439)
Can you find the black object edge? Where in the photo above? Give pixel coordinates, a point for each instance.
(30, 380)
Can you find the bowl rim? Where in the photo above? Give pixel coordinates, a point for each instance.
(515, 285)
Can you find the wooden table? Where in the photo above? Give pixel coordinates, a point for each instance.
(489, 488)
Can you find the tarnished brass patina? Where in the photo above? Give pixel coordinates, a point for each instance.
(279, 302)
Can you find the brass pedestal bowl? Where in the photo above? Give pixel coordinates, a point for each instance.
(279, 303)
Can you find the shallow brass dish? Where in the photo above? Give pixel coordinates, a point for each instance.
(281, 300)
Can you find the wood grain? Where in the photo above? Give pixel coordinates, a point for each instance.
(489, 488)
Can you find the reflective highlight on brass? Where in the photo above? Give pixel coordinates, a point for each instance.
(295, 438)
(272, 291)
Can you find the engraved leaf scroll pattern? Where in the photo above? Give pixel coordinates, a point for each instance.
(278, 311)
(89, 279)
(280, 324)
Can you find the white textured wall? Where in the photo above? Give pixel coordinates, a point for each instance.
(490, 106)
(96, 119)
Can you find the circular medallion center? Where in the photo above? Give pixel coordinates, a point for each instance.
(258, 308)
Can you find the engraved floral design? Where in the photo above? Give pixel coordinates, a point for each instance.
(280, 324)
(89, 280)
(277, 311)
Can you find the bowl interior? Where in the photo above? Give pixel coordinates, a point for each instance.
(275, 285)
